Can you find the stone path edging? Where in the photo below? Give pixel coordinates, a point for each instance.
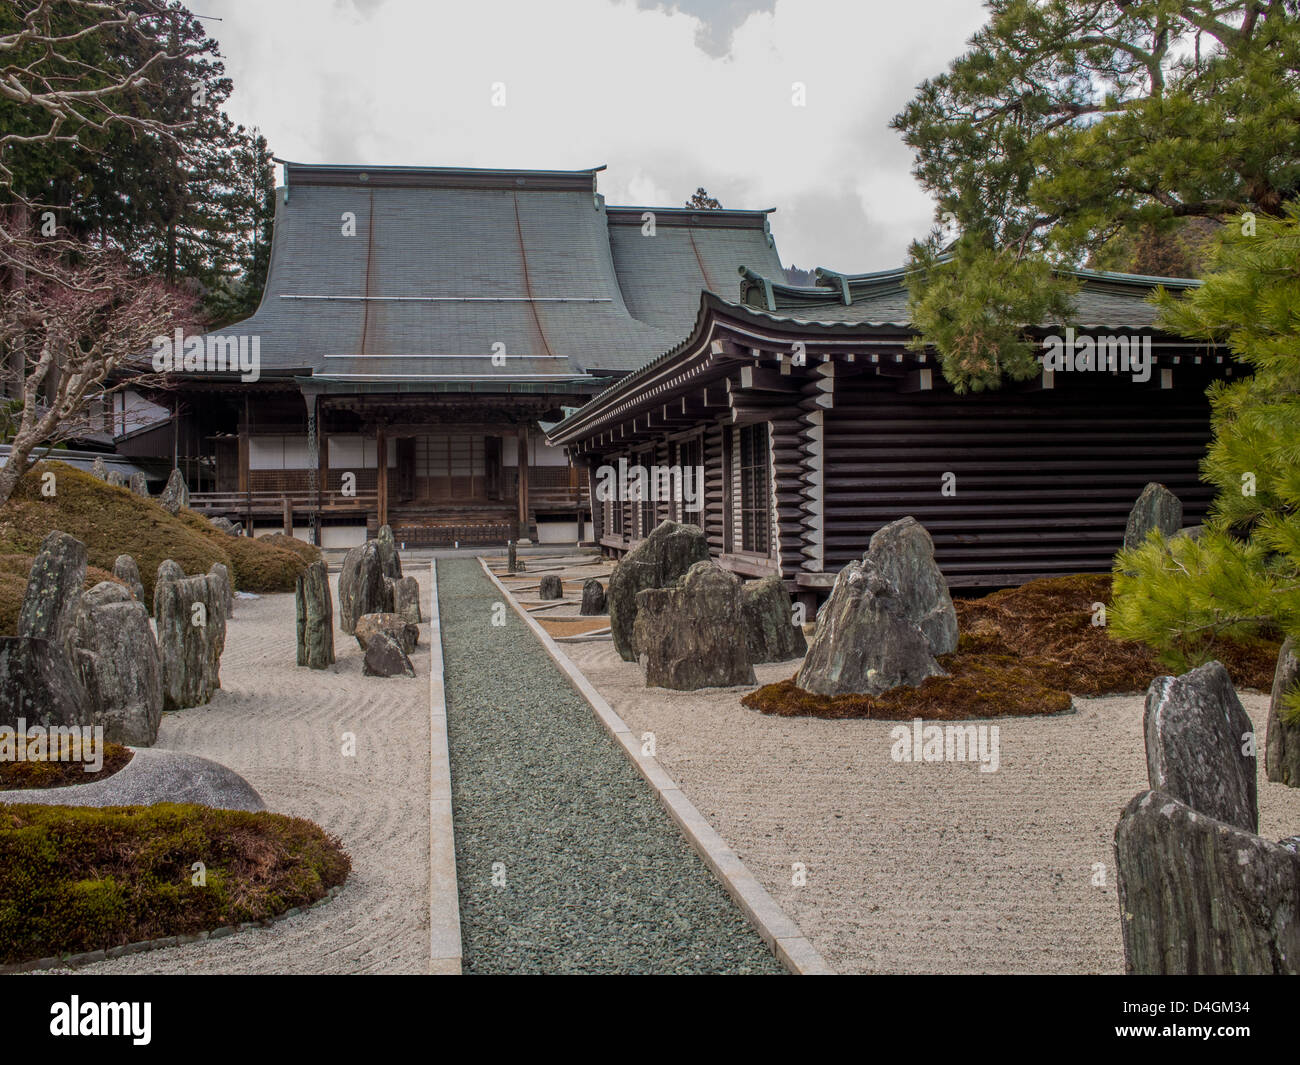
(444, 898)
(775, 928)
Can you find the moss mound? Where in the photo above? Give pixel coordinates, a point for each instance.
(13, 587)
(110, 521)
(15, 776)
(255, 565)
(309, 553)
(75, 880)
(1021, 652)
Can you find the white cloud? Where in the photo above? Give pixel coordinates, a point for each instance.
(671, 95)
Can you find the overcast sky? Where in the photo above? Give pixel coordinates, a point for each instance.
(670, 94)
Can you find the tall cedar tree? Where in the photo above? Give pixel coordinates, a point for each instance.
(1070, 122)
(1243, 573)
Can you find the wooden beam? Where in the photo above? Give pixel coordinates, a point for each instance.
(521, 460)
(381, 473)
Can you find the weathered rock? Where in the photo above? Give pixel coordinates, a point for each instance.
(513, 562)
(219, 573)
(1156, 508)
(50, 605)
(550, 587)
(98, 469)
(405, 595)
(225, 525)
(385, 658)
(866, 641)
(904, 553)
(768, 618)
(175, 495)
(39, 685)
(190, 641)
(388, 556)
(139, 485)
(315, 612)
(1202, 896)
(169, 571)
(126, 571)
(687, 633)
(1192, 532)
(593, 597)
(1282, 748)
(1198, 745)
(115, 479)
(394, 625)
(119, 665)
(361, 585)
(656, 562)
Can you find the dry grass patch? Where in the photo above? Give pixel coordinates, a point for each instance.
(17, 776)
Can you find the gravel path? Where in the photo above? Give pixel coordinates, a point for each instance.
(591, 874)
(281, 728)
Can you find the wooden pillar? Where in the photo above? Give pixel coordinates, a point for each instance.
(522, 459)
(381, 457)
(287, 506)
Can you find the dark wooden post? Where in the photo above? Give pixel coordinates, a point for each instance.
(381, 449)
(522, 460)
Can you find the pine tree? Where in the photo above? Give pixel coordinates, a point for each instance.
(1242, 575)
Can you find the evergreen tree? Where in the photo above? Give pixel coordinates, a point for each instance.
(1243, 573)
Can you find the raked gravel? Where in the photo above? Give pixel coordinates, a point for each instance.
(565, 859)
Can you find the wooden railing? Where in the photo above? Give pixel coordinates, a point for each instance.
(263, 503)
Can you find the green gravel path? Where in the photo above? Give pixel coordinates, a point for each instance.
(592, 874)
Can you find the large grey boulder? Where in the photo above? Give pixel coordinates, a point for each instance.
(119, 665)
(385, 658)
(687, 634)
(139, 485)
(867, 639)
(361, 585)
(315, 614)
(405, 596)
(175, 494)
(1201, 896)
(1156, 508)
(550, 587)
(1198, 745)
(388, 556)
(98, 469)
(126, 571)
(656, 562)
(190, 640)
(768, 619)
(168, 571)
(1282, 749)
(53, 596)
(225, 525)
(393, 625)
(593, 598)
(39, 685)
(219, 573)
(904, 553)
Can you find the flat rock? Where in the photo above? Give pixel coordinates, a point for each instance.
(656, 562)
(1197, 735)
(768, 618)
(1156, 508)
(392, 625)
(154, 776)
(385, 658)
(688, 634)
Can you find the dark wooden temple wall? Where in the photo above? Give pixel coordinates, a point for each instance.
(1044, 480)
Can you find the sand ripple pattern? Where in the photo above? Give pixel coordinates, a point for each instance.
(282, 728)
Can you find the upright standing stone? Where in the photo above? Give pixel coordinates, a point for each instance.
(550, 587)
(1156, 508)
(139, 485)
(768, 618)
(98, 469)
(39, 685)
(388, 555)
(904, 552)
(175, 495)
(126, 571)
(656, 562)
(405, 595)
(219, 573)
(867, 640)
(119, 665)
(1198, 745)
(361, 586)
(115, 479)
(168, 571)
(1282, 752)
(53, 597)
(1198, 896)
(593, 597)
(688, 634)
(190, 639)
(315, 610)
(513, 564)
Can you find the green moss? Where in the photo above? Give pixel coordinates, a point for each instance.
(255, 565)
(77, 879)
